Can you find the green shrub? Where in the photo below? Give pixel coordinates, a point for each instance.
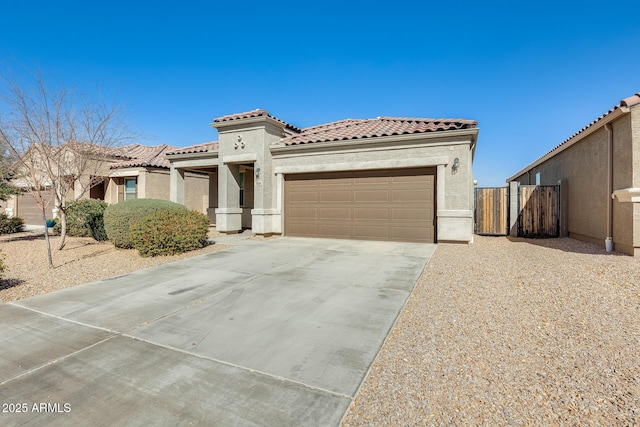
(119, 218)
(170, 233)
(85, 218)
(10, 225)
(2, 266)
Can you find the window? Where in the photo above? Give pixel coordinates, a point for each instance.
(538, 178)
(130, 188)
(241, 189)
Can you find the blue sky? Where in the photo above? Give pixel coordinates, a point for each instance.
(531, 74)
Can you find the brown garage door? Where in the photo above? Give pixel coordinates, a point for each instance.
(29, 210)
(395, 205)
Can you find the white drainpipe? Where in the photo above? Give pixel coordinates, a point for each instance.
(608, 242)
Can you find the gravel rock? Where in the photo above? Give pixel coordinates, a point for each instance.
(512, 332)
(82, 260)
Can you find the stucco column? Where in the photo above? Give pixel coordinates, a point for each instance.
(213, 197)
(229, 213)
(176, 185)
(440, 189)
(263, 215)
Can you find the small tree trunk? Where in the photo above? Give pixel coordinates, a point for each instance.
(46, 237)
(63, 227)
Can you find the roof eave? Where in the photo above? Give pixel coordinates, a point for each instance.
(615, 114)
(199, 155)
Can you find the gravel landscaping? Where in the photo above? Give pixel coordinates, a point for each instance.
(512, 332)
(83, 260)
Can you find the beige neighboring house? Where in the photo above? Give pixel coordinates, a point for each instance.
(128, 172)
(599, 171)
(387, 178)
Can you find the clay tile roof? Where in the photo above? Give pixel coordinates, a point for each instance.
(254, 113)
(370, 128)
(199, 148)
(137, 155)
(631, 101)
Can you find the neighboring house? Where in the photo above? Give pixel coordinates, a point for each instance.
(142, 172)
(388, 178)
(123, 173)
(599, 167)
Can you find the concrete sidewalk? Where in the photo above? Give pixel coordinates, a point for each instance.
(278, 332)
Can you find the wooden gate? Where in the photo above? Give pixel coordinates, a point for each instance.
(539, 211)
(492, 211)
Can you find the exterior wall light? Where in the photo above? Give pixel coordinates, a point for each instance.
(455, 166)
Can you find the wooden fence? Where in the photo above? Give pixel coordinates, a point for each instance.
(539, 211)
(492, 211)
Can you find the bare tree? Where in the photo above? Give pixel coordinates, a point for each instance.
(61, 140)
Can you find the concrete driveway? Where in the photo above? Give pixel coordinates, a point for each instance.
(279, 333)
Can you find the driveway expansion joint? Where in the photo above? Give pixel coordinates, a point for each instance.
(243, 368)
(44, 313)
(56, 360)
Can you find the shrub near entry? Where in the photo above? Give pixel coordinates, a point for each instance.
(2, 266)
(85, 218)
(10, 225)
(170, 233)
(119, 218)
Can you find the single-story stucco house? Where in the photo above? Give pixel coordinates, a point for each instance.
(123, 173)
(599, 171)
(388, 178)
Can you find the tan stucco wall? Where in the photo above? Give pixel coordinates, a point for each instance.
(583, 171)
(196, 188)
(155, 183)
(111, 191)
(196, 191)
(635, 136)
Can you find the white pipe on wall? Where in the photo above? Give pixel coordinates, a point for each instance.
(608, 241)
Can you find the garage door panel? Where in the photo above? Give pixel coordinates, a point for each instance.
(334, 230)
(371, 196)
(371, 232)
(413, 234)
(304, 183)
(371, 180)
(304, 229)
(303, 213)
(336, 182)
(411, 196)
(335, 196)
(409, 179)
(411, 214)
(368, 214)
(394, 204)
(335, 213)
(303, 196)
